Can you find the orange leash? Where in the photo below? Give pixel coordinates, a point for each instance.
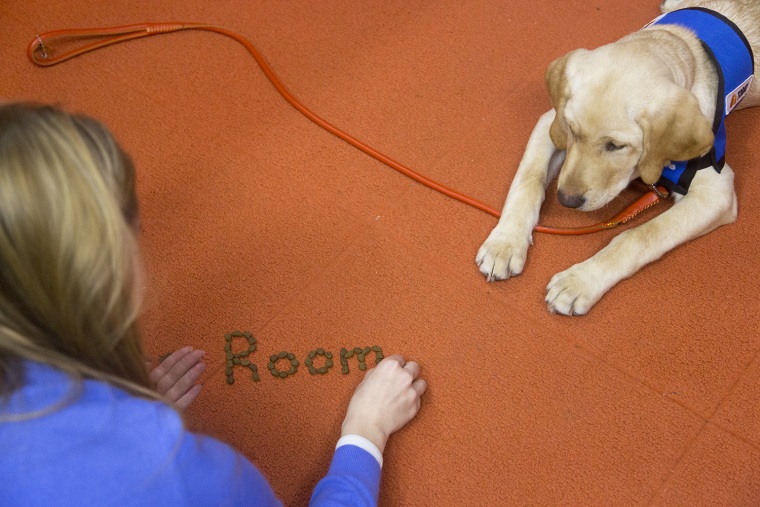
(43, 51)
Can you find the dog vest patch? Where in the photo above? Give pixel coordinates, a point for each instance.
(734, 62)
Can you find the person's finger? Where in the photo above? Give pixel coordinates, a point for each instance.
(180, 368)
(413, 368)
(188, 397)
(420, 386)
(168, 363)
(183, 375)
(395, 357)
(185, 364)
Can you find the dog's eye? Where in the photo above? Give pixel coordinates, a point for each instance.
(610, 146)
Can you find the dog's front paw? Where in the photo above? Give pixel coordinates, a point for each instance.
(502, 255)
(575, 290)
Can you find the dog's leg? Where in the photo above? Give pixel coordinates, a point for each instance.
(710, 203)
(669, 5)
(503, 253)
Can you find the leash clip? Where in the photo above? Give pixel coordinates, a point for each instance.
(657, 191)
(41, 47)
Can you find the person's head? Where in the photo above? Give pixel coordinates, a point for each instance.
(68, 259)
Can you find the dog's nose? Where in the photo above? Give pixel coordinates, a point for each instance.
(571, 201)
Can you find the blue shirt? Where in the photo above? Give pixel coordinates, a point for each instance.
(107, 447)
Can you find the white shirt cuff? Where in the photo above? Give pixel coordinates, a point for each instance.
(362, 443)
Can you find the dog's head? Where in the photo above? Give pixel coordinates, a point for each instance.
(619, 116)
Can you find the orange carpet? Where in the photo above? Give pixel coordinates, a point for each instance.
(256, 220)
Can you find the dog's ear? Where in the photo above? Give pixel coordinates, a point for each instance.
(674, 129)
(556, 84)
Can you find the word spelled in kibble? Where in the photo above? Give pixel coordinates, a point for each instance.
(284, 364)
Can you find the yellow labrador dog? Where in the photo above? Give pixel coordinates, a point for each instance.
(634, 109)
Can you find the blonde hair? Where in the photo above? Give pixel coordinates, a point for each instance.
(68, 255)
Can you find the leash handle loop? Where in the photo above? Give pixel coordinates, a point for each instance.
(44, 50)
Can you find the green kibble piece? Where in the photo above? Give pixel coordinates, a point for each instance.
(273, 357)
(380, 356)
(376, 348)
(308, 361)
(282, 355)
(329, 363)
(235, 360)
(245, 362)
(328, 355)
(228, 347)
(283, 374)
(358, 350)
(230, 379)
(312, 353)
(295, 363)
(348, 354)
(367, 350)
(270, 365)
(360, 357)
(322, 370)
(362, 366)
(275, 373)
(242, 354)
(345, 370)
(229, 355)
(228, 337)
(291, 356)
(256, 376)
(321, 351)
(343, 352)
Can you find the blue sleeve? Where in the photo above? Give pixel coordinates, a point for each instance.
(213, 473)
(353, 480)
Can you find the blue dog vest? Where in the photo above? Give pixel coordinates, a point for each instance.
(734, 62)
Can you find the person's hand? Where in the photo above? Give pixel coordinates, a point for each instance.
(387, 399)
(176, 375)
